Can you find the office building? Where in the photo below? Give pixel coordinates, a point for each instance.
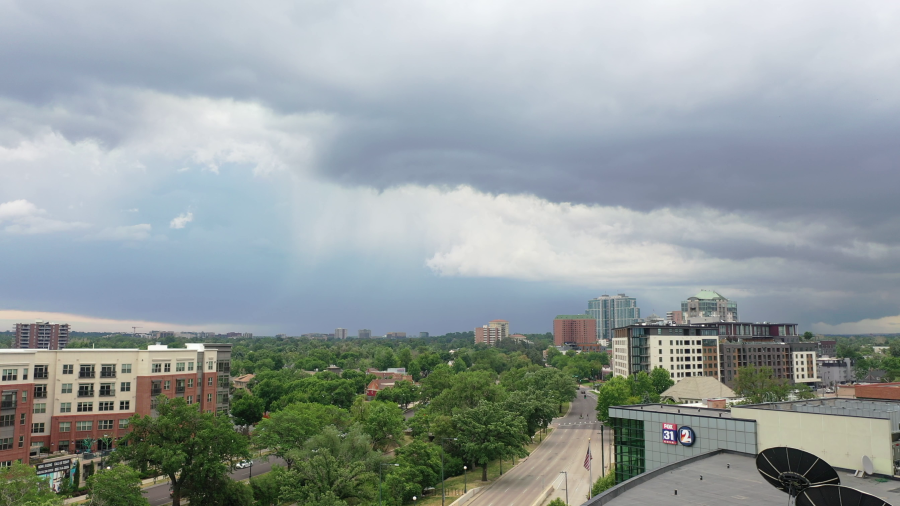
(835, 371)
(675, 317)
(492, 333)
(423, 335)
(41, 335)
(773, 345)
(708, 306)
(576, 330)
(364, 334)
(340, 333)
(827, 348)
(684, 350)
(59, 398)
(613, 312)
(395, 335)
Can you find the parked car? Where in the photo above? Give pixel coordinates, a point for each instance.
(244, 464)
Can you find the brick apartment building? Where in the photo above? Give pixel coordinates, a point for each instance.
(58, 398)
(578, 330)
(41, 335)
(492, 333)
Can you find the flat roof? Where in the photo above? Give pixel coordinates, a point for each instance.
(840, 406)
(676, 409)
(729, 478)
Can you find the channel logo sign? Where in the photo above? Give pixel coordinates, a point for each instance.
(669, 431)
(686, 436)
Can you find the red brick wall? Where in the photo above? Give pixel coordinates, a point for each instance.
(26, 407)
(889, 391)
(574, 331)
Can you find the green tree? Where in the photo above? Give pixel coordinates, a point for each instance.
(488, 432)
(758, 385)
(467, 390)
(557, 502)
(266, 489)
(803, 391)
(219, 491)
(20, 486)
(247, 409)
(615, 392)
(118, 486)
(384, 422)
(605, 482)
(808, 335)
(290, 428)
(188, 446)
(661, 380)
(533, 407)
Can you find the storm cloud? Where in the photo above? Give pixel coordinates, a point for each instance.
(642, 146)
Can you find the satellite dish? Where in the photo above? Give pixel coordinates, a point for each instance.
(867, 465)
(792, 470)
(834, 495)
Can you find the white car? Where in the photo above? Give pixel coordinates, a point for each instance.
(244, 464)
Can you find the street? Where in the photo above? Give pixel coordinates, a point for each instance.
(158, 495)
(563, 450)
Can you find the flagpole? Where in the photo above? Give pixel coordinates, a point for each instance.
(590, 470)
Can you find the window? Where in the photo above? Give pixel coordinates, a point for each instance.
(224, 366)
(85, 390)
(106, 405)
(126, 386)
(209, 365)
(179, 367)
(208, 397)
(6, 443)
(84, 407)
(167, 367)
(156, 368)
(21, 441)
(126, 368)
(190, 366)
(65, 407)
(104, 424)
(7, 420)
(63, 445)
(168, 385)
(65, 426)
(190, 382)
(37, 428)
(66, 388)
(107, 389)
(124, 405)
(39, 407)
(209, 382)
(6, 464)
(223, 381)
(24, 396)
(40, 372)
(22, 419)
(155, 387)
(123, 423)
(108, 371)
(86, 371)
(179, 386)
(84, 426)
(68, 369)
(10, 374)
(190, 399)
(25, 373)
(40, 391)
(222, 398)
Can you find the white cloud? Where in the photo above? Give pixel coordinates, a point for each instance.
(23, 217)
(181, 220)
(138, 232)
(885, 325)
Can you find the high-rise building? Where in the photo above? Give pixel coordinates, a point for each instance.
(578, 330)
(674, 317)
(492, 333)
(340, 333)
(61, 399)
(709, 306)
(612, 312)
(682, 350)
(423, 335)
(364, 334)
(41, 335)
(395, 335)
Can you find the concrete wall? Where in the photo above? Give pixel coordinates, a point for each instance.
(839, 440)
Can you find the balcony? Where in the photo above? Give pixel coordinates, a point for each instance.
(38, 375)
(107, 393)
(85, 393)
(40, 395)
(179, 390)
(107, 374)
(155, 391)
(7, 404)
(86, 374)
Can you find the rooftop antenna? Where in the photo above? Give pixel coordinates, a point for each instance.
(836, 495)
(794, 471)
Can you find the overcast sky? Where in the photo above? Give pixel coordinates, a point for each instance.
(417, 166)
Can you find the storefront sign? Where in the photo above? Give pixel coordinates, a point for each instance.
(686, 436)
(53, 467)
(668, 433)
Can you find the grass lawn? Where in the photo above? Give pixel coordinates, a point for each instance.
(454, 485)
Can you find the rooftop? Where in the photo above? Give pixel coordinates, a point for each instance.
(708, 295)
(676, 409)
(698, 387)
(728, 479)
(840, 406)
(574, 317)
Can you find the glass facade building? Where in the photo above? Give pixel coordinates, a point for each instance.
(613, 311)
(640, 444)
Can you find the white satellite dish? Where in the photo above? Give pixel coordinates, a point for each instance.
(867, 465)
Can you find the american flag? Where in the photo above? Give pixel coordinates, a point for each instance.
(587, 459)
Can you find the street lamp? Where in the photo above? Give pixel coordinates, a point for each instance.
(465, 476)
(442, 466)
(380, 472)
(567, 486)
